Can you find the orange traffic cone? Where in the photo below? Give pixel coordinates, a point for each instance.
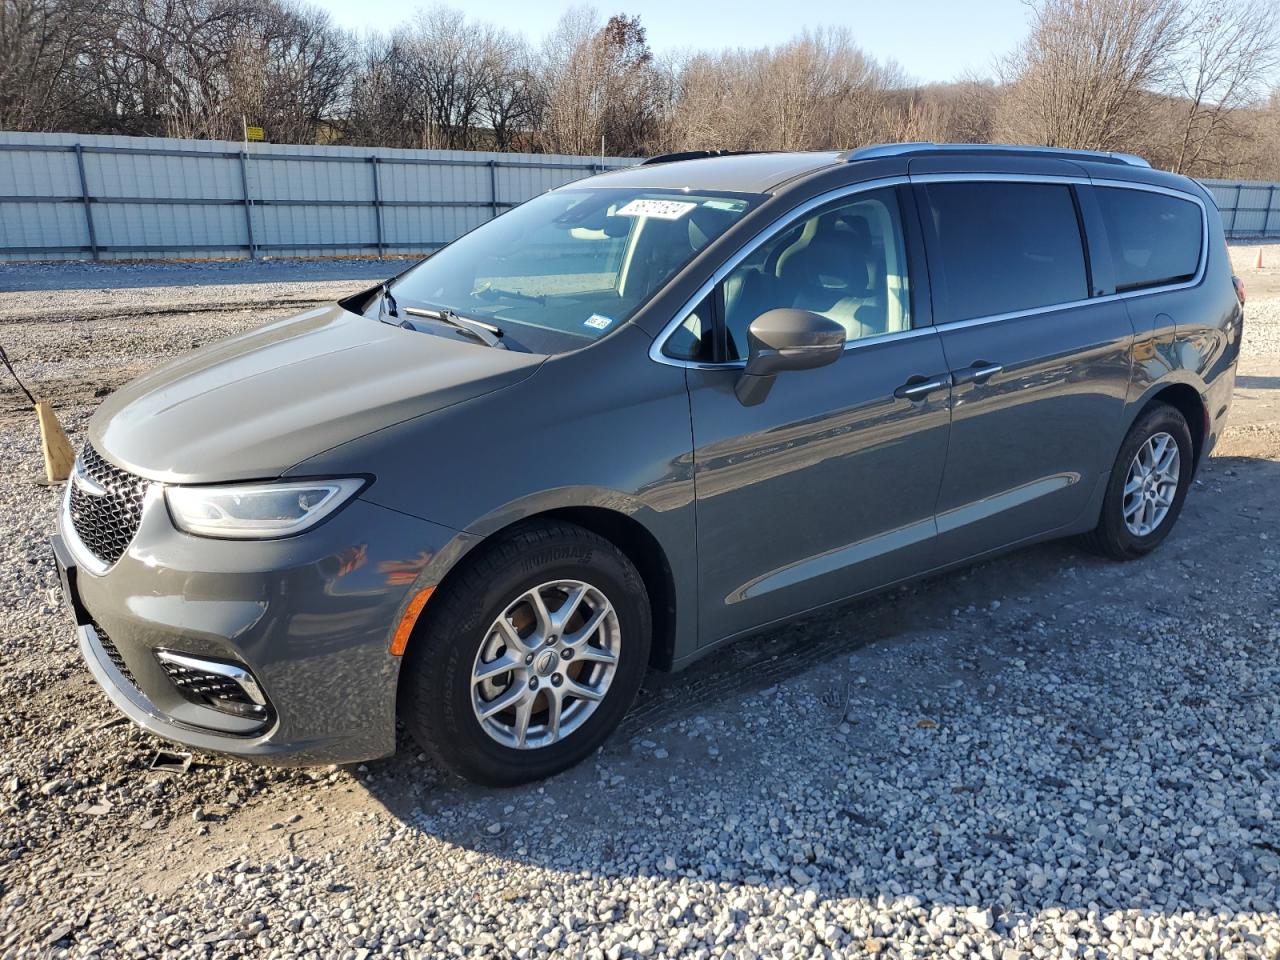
(1258, 263)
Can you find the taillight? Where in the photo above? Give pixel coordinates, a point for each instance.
(1239, 285)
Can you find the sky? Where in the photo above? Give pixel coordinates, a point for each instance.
(933, 40)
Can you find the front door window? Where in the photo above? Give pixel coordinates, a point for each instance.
(847, 263)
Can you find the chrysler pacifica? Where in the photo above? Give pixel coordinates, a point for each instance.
(631, 420)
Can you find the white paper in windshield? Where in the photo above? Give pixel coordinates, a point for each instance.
(658, 209)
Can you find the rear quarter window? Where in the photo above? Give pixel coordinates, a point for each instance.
(1005, 247)
(1155, 239)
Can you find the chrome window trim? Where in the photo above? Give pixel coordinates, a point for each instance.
(1204, 233)
(655, 348)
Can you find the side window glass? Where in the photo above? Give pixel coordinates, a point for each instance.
(847, 262)
(1155, 238)
(1005, 247)
(692, 340)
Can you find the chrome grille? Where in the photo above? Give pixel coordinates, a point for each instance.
(225, 687)
(105, 524)
(109, 648)
(202, 686)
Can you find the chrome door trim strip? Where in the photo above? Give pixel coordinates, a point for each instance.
(962, 516)
(838, 558)
(655, 348)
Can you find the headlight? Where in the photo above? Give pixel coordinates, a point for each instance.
(257, 511)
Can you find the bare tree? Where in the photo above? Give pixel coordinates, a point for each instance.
(817, 91)
(441, 49)
(598, 81)
(442, 81)
(1179, 81)
(1078, 78)
(963, 111)
(508, 99)
(1230, 52)
(378, 102)
(41, 44)
(198, 67)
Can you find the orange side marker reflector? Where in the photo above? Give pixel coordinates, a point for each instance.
(401, 640)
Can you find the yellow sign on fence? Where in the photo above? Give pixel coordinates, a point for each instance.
(254, 133)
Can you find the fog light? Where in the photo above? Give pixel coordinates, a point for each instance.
(226, 687)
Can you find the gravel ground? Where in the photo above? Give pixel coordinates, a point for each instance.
(1045, 755)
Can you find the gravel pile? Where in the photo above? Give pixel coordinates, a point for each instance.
(1045, 755)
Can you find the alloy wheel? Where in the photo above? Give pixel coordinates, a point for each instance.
(545, 664)
(1151, 484)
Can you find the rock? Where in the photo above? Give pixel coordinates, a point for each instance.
(980, 918)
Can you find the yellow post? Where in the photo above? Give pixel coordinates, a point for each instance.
(59, 457)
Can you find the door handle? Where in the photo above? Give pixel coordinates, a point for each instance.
(980, 372)
(917, 388)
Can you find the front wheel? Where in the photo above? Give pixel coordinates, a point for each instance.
(1147, 487)
(529, 657)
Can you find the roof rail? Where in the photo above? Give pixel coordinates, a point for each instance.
(695, 155)
(1064, 153)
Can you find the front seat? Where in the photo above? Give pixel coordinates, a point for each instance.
(829, 276)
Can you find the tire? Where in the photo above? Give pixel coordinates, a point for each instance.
(441, 700)
(1115, 536)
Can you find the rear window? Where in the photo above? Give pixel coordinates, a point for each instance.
(1155, 238)
(1005, 247)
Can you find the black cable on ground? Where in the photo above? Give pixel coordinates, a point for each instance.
(4, 358)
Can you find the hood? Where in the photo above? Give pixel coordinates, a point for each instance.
(254, 405)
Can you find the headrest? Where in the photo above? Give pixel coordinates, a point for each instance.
(831, 260)
(859, 232)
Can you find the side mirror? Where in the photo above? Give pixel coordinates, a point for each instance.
(786, 339)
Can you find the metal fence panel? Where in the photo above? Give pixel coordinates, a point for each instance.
(1249, 208)
(72, 196)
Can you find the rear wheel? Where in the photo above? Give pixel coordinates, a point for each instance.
(1147, 487)
(529, 657)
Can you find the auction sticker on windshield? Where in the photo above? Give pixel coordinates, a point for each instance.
(658, 209)
(597, 322)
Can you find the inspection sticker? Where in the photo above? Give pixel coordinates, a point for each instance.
(597, 322)
(658, 209)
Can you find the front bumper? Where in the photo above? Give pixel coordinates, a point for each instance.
(309, 619)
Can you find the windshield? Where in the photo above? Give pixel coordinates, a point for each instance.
(569, 266)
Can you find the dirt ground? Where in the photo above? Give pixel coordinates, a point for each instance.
(1256, 407)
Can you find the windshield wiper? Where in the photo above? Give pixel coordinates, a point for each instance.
(491, 292)
(486, 333)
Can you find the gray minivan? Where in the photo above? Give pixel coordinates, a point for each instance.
(631, 420)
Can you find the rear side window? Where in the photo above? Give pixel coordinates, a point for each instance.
(1155, 239)
(1005, 247)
